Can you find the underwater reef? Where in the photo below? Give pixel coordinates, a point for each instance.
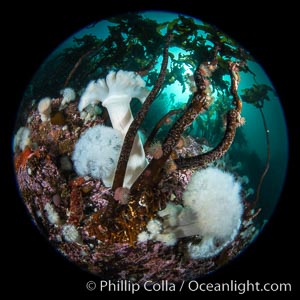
(127, 179)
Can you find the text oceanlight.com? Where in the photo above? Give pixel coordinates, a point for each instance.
(193, 286)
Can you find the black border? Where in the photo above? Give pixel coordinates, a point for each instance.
(32, 32)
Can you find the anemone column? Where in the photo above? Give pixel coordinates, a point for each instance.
(115, 92)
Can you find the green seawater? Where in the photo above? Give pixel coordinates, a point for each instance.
(131, 42)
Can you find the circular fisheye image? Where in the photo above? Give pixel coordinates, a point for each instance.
(150, 146)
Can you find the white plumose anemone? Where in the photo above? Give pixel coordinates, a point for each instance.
(212, 209)
(96, 153)
(21, 139)
(44, 108)
(115, 92)
(214, 195)
(69, 95)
